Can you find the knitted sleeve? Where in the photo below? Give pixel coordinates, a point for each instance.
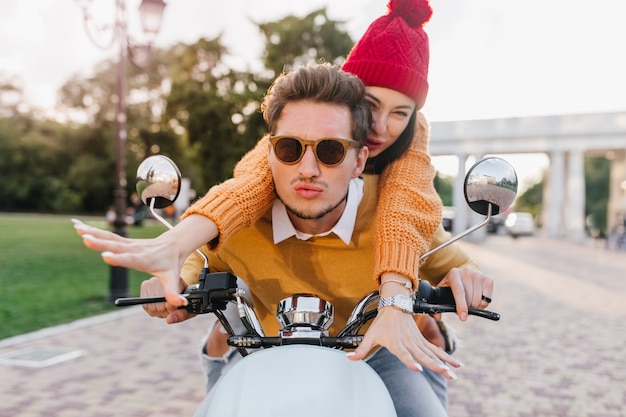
(409, 209)
(240, 201)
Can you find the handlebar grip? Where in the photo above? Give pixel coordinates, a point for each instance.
(435, 295)
(124, 302)
(431, 300)
(486, 314)
(253, 342)
(345, 342)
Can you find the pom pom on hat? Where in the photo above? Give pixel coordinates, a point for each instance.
(394, 52)
(416, 13)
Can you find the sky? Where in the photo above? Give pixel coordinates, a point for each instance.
(489, 58)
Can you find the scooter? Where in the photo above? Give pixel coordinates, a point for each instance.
(302, 370)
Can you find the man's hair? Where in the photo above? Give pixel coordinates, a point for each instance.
(320, 83)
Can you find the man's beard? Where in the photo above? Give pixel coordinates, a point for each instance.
(313, 216)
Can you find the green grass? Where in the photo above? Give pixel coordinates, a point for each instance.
(47, 276)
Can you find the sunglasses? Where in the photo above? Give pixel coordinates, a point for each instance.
(328, 151)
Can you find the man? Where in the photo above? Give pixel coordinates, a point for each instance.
(318, 236)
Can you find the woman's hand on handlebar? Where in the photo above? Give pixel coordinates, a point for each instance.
(398, 332)
(171, 314)
(471, 288)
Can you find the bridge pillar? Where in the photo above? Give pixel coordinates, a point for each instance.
(553, 195)
(575, 206)
(617, 188)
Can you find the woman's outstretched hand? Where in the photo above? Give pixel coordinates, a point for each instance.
(161, 257)
(153, 256)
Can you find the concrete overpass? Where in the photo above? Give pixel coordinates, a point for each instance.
(566, 139)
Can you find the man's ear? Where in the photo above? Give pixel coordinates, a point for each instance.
(361, 160)
(270, 157)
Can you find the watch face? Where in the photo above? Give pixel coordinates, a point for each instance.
(401, 302)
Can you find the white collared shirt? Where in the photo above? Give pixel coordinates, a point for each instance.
(283, 228)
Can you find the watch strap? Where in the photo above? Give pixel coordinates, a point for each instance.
(399, 301)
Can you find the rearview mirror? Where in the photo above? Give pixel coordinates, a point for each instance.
(158, 181)
(491, 181)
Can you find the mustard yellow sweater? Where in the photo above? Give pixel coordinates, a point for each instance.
(409, 206)
(325, 266)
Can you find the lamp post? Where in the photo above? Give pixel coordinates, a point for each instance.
(151, 12)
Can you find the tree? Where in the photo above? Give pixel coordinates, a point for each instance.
(444, 186)
(212, 109)
(10, 95)
(597, 178)
(33, 166)
(294, 41)
(95, 100)
(531, 200)
(186, 104)
(216, 110)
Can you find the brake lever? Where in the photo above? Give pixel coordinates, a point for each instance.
(133, 301)
(212, 293)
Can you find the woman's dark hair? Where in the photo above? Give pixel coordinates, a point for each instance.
(377, 164)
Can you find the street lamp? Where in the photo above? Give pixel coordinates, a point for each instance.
(151, 12)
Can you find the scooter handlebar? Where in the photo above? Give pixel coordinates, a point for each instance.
(433, 300)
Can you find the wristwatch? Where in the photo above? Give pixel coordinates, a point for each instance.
(399, 301)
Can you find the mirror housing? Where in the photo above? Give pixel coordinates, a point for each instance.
(491, 181)
(158, 181)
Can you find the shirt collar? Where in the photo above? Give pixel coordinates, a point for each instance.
(283, 229)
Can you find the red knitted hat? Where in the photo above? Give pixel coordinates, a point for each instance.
(393, 53)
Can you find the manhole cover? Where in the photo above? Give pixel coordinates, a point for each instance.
(39, 357)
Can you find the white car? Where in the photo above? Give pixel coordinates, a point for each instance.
(520, 224)
(447, 217)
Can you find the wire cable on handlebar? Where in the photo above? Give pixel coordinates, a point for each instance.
(222, 319)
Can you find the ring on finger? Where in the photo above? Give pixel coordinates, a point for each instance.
(485, 298)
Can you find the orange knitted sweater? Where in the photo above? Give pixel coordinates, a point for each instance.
(408, 210)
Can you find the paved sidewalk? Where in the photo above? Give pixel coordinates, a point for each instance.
(132, 365)
(558, 351)
(560, 348)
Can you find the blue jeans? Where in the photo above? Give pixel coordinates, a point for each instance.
(414, 394)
